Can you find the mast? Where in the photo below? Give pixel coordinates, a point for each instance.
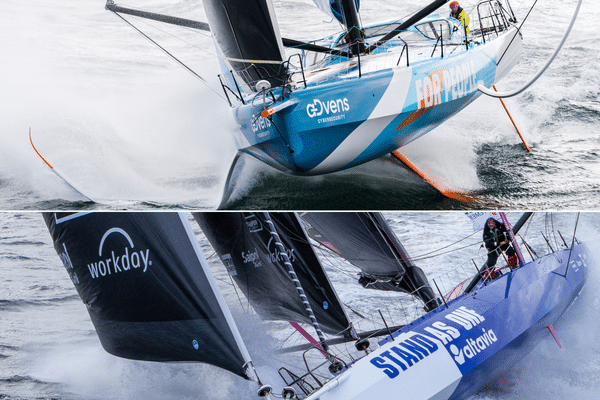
(352, 22)
(513, 240)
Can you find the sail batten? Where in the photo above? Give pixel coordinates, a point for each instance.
(147, 288)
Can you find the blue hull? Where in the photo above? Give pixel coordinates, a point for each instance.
(340, 123)
(455, 351)
(535, 306)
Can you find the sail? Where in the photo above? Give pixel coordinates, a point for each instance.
(367, 241)
(346, 12)
(147, 287)
(334, 8)
(246, 248)
(247, 34)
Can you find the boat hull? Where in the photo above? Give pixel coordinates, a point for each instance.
(341, 123)
(453, 352)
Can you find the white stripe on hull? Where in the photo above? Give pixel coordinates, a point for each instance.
(387, 109)
(436, 376)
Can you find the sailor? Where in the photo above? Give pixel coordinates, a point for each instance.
(456, 11)
(496, 240)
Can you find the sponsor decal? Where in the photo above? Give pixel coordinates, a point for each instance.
(578, 263)
(445, 85)
(465, 317)
(253, 224)
(260, 124)
(404, 354)
(228, 262)
(251, 256)
(473, 346)
(331, 110)
(275, 255)
(443, 332)
(66, 260)
(126, 260)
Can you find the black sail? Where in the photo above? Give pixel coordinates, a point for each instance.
(246, 33)
(147, 287)
(249, 253)
(367, 241)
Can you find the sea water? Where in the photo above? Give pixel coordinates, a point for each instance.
(49, 348)
(132, 129)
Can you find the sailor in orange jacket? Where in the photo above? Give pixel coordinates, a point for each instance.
(456, 11)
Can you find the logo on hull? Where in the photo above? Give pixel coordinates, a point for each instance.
(473, 346)
(260, 124)
(445, 85)
(331, 109)
(404, 354)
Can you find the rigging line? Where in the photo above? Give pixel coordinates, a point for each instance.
(170, 55)
(351, 274)
(440, 253)
(196, 31)
(572, 244)
(515, 92)
(445, 247)
(518, 29)
(236, 292)
(446, 252)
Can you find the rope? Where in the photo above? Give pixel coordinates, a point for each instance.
(170, 55)
(515, 92)
(292, 273)
(572, 245)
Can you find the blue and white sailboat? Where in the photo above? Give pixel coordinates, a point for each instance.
(359, 95)
(316, 107)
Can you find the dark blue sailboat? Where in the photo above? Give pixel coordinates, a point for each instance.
(151, 296)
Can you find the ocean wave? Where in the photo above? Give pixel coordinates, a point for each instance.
(8, 305)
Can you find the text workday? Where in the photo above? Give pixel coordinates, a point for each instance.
(125, 261)
(318, 107)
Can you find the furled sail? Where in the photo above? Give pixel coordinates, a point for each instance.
(367, 241)
(247, 34)
(334, 8)
(246, 248)
(346, 12)
(147, 287)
